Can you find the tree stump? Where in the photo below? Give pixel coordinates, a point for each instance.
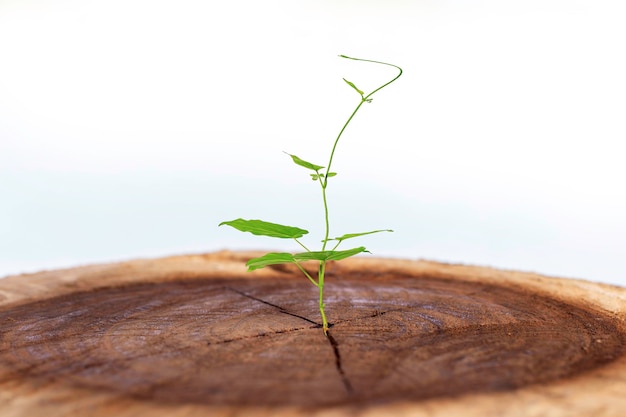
(198, 335)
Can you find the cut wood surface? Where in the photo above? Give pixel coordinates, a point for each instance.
(197, 335)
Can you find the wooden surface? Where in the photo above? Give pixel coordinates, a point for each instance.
(197, 335)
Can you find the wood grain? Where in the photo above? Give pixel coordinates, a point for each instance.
(191, 335)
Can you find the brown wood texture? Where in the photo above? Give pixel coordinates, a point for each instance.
(197, 335)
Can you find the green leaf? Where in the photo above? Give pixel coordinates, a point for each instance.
(262, 228)
(304, 163)
(318, 176)
(354, 86)
(273, 258)
(351, 235)
(328, 255)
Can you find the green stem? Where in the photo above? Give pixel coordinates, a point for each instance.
(324, 184)
(320, 285)
(332, 153)
(363, 100)
(326, 218)
(306, 273)
(377, 62)
(301, 244)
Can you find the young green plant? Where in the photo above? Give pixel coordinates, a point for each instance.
(321, 175)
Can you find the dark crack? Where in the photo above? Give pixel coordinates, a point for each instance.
(342, 374)
(294, 329)
(281, 309)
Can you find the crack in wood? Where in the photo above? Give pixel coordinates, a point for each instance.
(333, 342)
(293, 329)
(281, 309)
(342, 374)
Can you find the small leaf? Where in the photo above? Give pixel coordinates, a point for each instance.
(331, 174)
(304, 163)
(351, 235)
(273, 258)
(343, 254)
(354, 86)
(316, 176)
(328, 255)
(262, 228)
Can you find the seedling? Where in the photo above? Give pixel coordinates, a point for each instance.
(320, 174)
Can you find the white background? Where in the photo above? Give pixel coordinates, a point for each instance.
(132, 128)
